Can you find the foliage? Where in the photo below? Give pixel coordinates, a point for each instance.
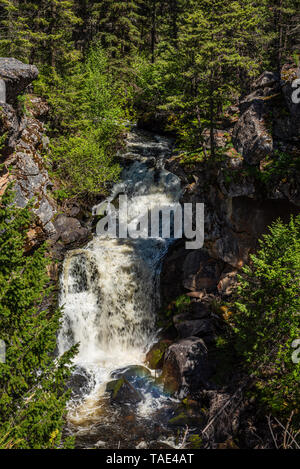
(87, 125)
(267, 318)
(282, 165)
(32, 381)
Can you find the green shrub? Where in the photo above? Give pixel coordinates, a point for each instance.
(267, 318)
(87, 123)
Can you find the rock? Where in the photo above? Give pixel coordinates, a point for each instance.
(45, 211)
(130, 372)
(188, 413)
(287, 116)
(81, 382)
(186, 367)
(155, 356)
(9, 125)
(269, 118)
(122, 392)
(196, 327)
(200, 271)
(172, 273)
(100, 444)
(17, 77)
(266, 80)
(251, 136)
(37, 107)
(196, 294)
(199, 310)
(142, 445)
(69, 230)
(227, 282)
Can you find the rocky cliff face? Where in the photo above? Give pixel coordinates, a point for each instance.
(257, 181)
(24, 142)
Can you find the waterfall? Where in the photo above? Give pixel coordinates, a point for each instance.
(110, 288)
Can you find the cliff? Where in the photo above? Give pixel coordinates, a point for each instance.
(24, 147)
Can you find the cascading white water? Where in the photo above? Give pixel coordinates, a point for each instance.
(110, 288)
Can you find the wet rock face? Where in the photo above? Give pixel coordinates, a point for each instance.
(122, 392)
(155, 356)
(17, 76)
(186, 367)
(80, 383)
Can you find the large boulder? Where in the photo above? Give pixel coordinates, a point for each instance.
(17, 77)
(187, 327)
(270, 119)
(122, 392)
(155, 356)
(200, 271)
(69, 230)
(252, 136)
(186, 367)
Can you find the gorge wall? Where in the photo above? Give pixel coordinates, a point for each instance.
(24, 146)
(254, 184)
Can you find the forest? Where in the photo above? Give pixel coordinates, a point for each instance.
(188, 71)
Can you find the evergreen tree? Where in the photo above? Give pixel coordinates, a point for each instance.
(32, 381)
(53, 25)
(117, 23)
(15, 40)
(283, 26)
(39, 31)
(267, 317)
(212, 49)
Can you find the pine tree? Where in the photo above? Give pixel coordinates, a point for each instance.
(53, 26)
(283, 26)
(213, 47)
(267, 317)
(15, 38)
(117, 24)
(32, 381)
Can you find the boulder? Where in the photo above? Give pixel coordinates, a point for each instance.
(186, 367)
(17, 77)
(122, 392)
(196, 327)
(81, 382)
(251, 136)
(200, 271)
(69, 230)
(37, 107)
(45, 212)
(266, 80)
(199, 310)
(155, 356)
(131, 372)
(227, 282)
(269, 118)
